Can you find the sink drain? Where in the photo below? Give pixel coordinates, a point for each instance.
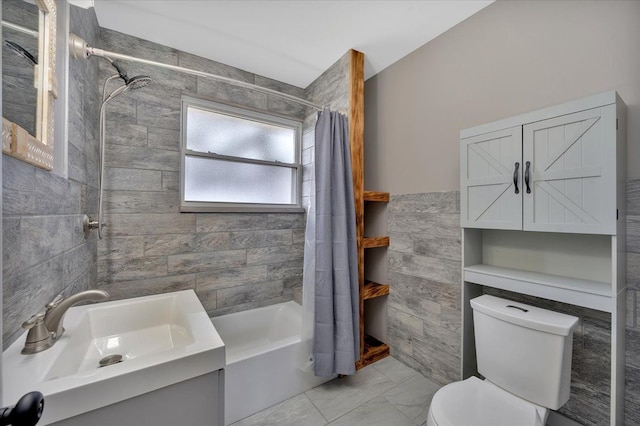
(110, 360)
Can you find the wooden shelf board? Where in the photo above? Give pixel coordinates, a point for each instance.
(373, 290)
(590, 294)
(376, 196)
(373, 242)
(374, 350)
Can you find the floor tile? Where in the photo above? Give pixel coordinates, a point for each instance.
(413, 397)
(385, 393)
(375, 412)
(297, 411)
(339, 396)
(396, 371)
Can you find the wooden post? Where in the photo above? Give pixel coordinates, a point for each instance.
(356, 140)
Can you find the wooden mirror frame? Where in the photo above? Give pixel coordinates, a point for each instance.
(16, 141)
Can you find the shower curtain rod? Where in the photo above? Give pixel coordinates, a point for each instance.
(79, 49)
(20, 28)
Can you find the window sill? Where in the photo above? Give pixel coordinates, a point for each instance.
(241, 208)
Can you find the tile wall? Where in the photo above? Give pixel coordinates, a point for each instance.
(632, 402)
(424, 276)
(424, 304)
(234, 261)
(44, 250)
(331, 90)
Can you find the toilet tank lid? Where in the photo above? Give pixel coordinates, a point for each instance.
(525, 315)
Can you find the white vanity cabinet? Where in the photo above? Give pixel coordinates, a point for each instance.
(542, 210)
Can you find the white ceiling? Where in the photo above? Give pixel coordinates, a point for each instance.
(290, 41)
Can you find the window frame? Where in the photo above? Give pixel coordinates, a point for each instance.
(249, 115)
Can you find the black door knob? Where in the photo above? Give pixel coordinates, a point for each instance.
(26, 412)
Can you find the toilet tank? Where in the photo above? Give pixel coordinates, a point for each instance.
(524, 350)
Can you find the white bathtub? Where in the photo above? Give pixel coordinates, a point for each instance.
(262, 358)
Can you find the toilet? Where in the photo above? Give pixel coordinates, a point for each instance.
(524, 353)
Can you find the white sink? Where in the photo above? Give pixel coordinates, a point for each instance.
(163, 339)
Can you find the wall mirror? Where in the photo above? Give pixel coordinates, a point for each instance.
(29, 86)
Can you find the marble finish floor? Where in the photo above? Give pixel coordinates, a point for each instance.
(384, 393)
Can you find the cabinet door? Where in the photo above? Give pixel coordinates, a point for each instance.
(490, 172)
(572, 173)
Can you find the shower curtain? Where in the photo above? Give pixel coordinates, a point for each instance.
(330, 279)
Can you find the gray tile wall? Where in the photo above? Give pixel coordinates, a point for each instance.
(632, 400)
(423, 310)
(331, 90)
(44, 251)
(424, 304)
(233, 261)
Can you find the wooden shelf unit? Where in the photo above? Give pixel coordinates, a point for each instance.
(374, 350)
(373, 290)
(371, 349)
(375, 242)
(376, 196)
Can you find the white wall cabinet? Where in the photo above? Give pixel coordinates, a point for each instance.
(559, 172)
(490, 176)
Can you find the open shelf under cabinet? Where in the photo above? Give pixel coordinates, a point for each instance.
(580, 292)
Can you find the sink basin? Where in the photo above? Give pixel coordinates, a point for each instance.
(155, 341)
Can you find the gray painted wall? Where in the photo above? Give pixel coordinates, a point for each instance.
(509, 58)
(45, 252)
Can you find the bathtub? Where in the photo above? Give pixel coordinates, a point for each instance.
(262, 349)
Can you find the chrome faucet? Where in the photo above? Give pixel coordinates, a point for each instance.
(45, 328)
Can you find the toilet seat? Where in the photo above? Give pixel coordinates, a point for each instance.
(475, 402)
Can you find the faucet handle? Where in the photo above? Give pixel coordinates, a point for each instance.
(38, 338)
(55, 301)
(35, 320)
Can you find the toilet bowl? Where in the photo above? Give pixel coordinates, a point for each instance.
(524, 353)
(475, 402)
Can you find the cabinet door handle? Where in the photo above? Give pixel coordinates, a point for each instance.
(515, 177)
(526, 176)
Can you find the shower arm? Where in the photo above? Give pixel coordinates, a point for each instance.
(79, 49)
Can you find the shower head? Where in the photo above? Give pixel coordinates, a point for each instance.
(133, 83)
(138, 82)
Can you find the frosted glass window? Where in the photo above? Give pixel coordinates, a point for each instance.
(223, 134)
(215, 180)
(235, 159)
